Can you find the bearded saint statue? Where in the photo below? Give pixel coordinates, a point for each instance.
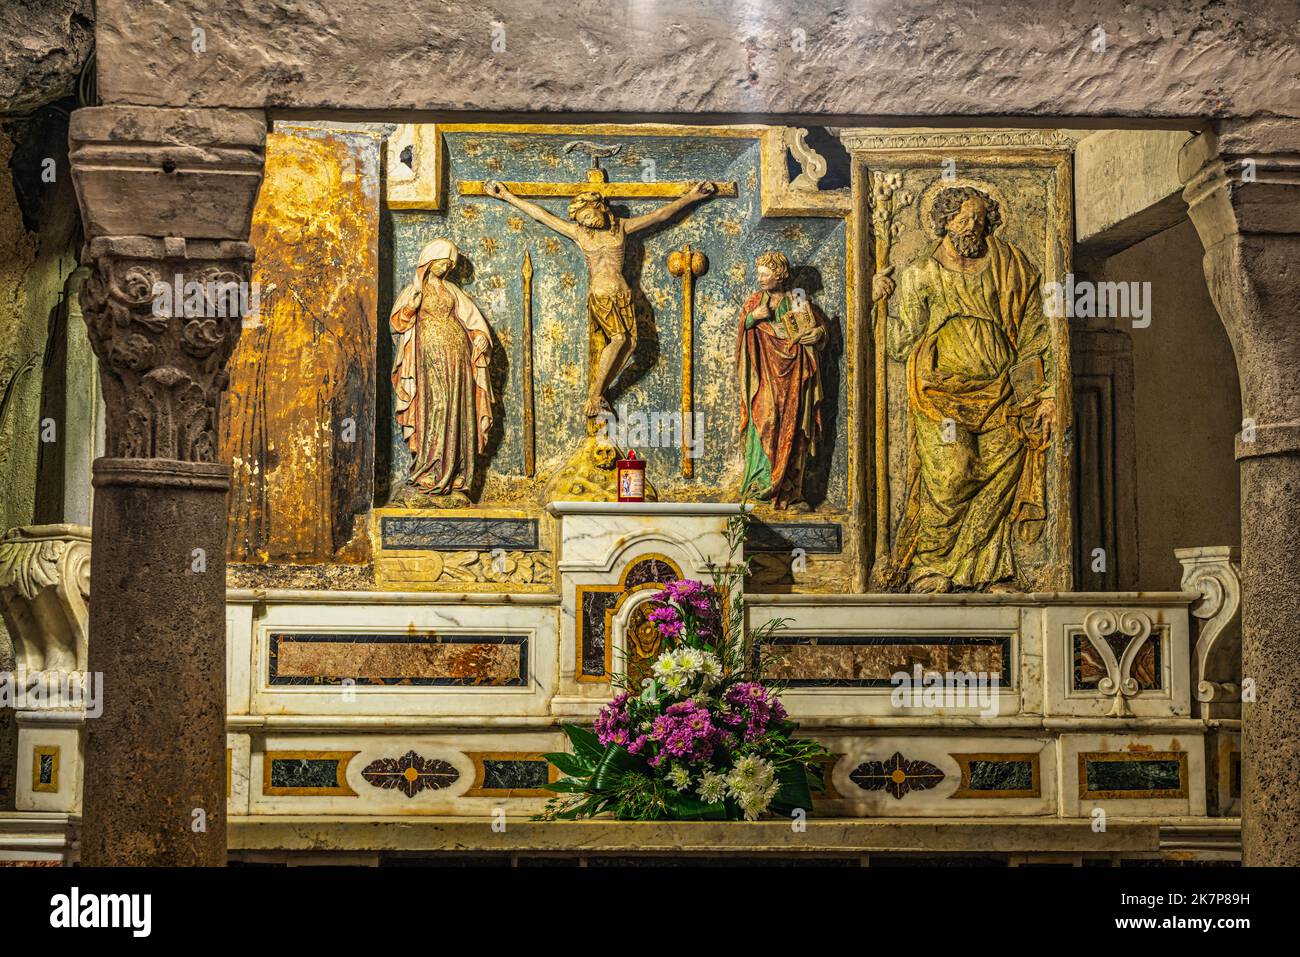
(443, 398)
(981, 401)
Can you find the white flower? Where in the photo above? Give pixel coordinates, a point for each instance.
(751, 773)
(752, 784)
(713, 787)
(687, 660)
(710, 668)
(679, 778)
(756, 803)
(676, 683)
(753, 800)
(664, 665)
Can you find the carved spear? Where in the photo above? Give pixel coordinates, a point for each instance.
(884, 205)
(530, 439)
(688, 264)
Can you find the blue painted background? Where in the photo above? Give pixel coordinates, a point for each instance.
(492, 237)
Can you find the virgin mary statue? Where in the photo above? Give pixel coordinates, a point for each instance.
(440, 377)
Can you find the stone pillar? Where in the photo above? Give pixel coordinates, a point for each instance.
(166, 197)
(1243, 195)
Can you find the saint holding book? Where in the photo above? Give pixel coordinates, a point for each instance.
(780, 336)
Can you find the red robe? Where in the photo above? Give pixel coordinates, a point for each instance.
(781, 385)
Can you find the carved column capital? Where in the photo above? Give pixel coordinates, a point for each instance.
(1242, 187)
(167, 200)
(148, 171)
(1242, 178)
(1243, 194)
(164, 316)
(44, 587)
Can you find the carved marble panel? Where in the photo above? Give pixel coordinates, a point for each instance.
(470, 550)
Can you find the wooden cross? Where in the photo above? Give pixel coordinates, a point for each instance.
(597, 182)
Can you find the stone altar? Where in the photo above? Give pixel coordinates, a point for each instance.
(323, 716)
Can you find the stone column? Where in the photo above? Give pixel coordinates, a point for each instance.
(1243, 194)
(166, 197)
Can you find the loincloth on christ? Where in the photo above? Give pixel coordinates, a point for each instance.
(613, 315)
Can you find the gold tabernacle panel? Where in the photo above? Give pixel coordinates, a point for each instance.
(970, 375)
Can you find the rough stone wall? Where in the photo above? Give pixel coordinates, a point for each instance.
(1188, 408)
(21, 346)
(39, 226)
(43, 46)
(1194, 58)
(33, 267)
(19, 399)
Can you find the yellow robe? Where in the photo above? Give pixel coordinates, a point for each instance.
(976, 467)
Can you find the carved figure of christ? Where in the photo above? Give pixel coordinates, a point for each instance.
(602, 237)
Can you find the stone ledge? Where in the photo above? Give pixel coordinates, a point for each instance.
(585, 709)
(37, 835)
(825, 836)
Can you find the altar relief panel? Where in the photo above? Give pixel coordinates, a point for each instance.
(971, 383)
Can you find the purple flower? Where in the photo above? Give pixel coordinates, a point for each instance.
(685, 592)
(613, 722)
(752, 705)
(686, 731)
(668, 620)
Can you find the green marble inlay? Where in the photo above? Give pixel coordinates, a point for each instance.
(47, 769)
(1001, 776)
(304, 772)
(514, 775)
(1153, 775)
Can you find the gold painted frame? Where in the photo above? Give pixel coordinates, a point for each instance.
(964, 761)
(1057, 575)
(579, 629)
(844, 572)
(478, 790)
(45, 751)
(340, 789)
(1116, 756)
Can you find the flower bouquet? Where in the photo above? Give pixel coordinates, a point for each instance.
(702, 737)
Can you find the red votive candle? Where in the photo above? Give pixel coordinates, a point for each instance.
(631, 478)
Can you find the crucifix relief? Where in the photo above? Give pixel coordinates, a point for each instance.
(602, 236)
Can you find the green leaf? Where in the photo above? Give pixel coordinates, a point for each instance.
(693, 809)
(584, 740)
(571, 764)
(793, 791)
(613, 766)
(567, 786)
